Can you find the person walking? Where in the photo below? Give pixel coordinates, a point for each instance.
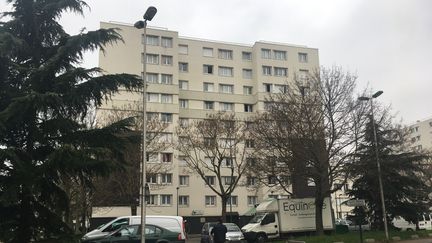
(219, 232)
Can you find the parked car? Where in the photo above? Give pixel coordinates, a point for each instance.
(172, 223)
(233, 235)
(132, 234)
(352, 226)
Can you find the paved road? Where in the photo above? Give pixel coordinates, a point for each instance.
(425, 240)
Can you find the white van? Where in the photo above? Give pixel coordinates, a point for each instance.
(424, 223)
(173, 223)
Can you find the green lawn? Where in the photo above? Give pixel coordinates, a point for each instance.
(354, 237)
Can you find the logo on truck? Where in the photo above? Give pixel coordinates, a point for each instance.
(300, 206)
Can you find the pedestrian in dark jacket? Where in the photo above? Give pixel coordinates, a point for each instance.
(219, 232)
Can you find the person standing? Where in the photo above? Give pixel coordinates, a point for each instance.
(219, 232)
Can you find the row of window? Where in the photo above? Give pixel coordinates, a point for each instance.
(209, 200)
(246, 56)
(210, 105)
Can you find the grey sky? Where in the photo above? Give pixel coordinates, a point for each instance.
(386, 42)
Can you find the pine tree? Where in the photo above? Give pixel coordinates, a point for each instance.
(45, 98)
(403, 177)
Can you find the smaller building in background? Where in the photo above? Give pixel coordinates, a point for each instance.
(421, 134)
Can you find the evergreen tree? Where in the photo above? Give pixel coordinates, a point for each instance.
(403, 176)
(44, 100)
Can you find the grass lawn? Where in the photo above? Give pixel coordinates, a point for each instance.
(354, 237)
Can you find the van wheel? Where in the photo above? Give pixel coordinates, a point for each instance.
(409, 229)
(261, 238)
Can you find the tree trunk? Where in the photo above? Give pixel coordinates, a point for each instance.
(319, 202)
(224, 203)
(133, 209)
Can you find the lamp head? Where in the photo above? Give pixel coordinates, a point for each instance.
(139, 24)
(378, 93)
(150, 13)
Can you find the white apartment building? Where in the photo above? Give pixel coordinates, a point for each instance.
(188, 78)
(421, 134)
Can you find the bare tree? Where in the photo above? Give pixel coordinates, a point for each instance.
(215, 146)
(310, 130)
(122, 186)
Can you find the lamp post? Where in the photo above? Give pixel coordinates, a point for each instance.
(177, 188)
(148, 16)
(384, 213)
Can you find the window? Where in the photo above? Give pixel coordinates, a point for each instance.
(279, 55)
(268, 106)
(303, 57)
(166, 60)
(232, 200)
(247, 73)
(280, 88)
(226, 106)
(251, 181)
(208, 87)
(183, 84)
(226, 88)
(167, 42)
(252, 200)
(152, 40)
(266, 70)
(151, 178)
(303, 75)
(152, 200)
(166, 79)
(251, 161)
(248, 108)
(225, 54)
(210, 200)
(166, 178)
(183, 67)
(266, 53)
(184, 103)
(152, 59)
(166, 138)
(183, 49)
(184, 122)
(278, 71)
(227, 162)
(226, 71)
(152, 78)
(167, 157)
(208, 105)
(152, 157)
(152, 116)
(208, 69)
(247, 56)
(249, 143)
(272, 179)
(166, 117)
(166, 98)
(166, 200)
(184, 180)
(183, 200)
(267, 88)
(152, 97)
(247, 90)
(210, 180)
(207, 52)
(228, 180)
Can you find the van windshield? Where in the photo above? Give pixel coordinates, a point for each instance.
(257, 218)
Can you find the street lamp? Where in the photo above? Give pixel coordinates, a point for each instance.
(177, 188)
(148, 16)
(384, 213)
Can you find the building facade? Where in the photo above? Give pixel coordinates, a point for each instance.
(187, 79)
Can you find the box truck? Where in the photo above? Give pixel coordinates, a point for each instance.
(277, 217)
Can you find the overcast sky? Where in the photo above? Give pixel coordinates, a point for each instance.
(388, 43)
